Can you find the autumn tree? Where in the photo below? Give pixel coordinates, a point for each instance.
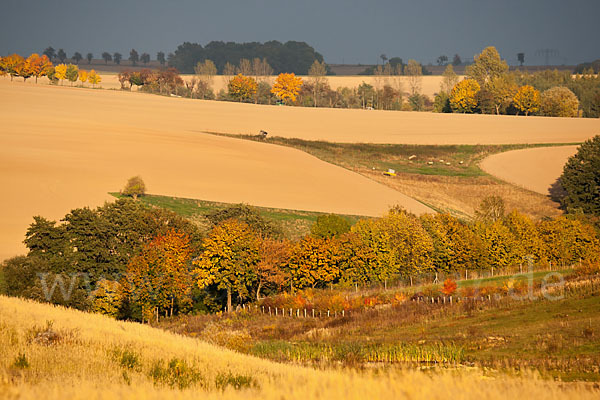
(498, 244)
(373, 235)
(60, 72)
(559, 102)
(229, 258)
(40, 65)
(94, 78)
(159, 278)
(487, 65)
(24, 69)
(449, 287)
(242, 87)
(568, 240)
(317, 73)
(83, 76)
(580, 179)
(313, 262)
(414, 71)
(106, 57)
(287, 86)
(502, 90)
(72, 73)
(269, 271)
(463, 97)
(89, 57)
(357, 261)
(11, 64)
(527, 238)
(527, 100)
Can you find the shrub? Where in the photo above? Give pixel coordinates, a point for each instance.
(21, 361)
(135, 187)
(177, 373)
(237, 382)
(559, 102)
(449, 287)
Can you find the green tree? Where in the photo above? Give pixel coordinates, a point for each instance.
(145, 58)
(77, 57)
(106, 57)
(231, 252)
(134, 57)
(72, 73)
(328, 226)
(487, 65)
(117, 57)
(134, 187)
(61, 55)
(559, 102)
(581, 179)
(503, 90)
(89, 57)
(246, 214)
(160, 57)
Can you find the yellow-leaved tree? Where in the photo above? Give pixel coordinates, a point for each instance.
(83, 76)
(94, 78)
(527, 100)
(242, 87)
(463, 97)
(231, 252)
(60, 72)
(287, 87)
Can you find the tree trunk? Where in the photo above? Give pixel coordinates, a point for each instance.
(229, 307)
(258, 291)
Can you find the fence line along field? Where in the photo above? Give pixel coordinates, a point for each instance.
(62, 148)
(56, 353)
(534, 169)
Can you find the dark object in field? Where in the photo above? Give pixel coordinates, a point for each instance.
(263, 134)
(418, 296)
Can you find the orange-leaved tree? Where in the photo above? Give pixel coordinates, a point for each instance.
(25, 69)
(287, 87)
(527, 100)
(159, 278)
(269, 270)
(242, 87)
(231, 252)
(313, 262)
(11, 64)
(94, 78)
(40, 65)
(449, 287)
(463, 96)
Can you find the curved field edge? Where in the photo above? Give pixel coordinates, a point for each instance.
(445, 178)
(88, 361)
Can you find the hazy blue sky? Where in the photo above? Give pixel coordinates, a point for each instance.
(342, 30)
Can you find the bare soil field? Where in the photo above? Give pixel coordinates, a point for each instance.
(345, 125)
(534, 169)
(62, 148)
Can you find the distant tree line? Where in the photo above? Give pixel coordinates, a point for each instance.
(296, 57)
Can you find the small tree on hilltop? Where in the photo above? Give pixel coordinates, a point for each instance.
(491, 209)
(135, 187)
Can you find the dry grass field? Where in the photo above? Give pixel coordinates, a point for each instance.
(55, 353)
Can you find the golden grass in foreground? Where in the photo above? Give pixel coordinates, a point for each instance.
(84, 366)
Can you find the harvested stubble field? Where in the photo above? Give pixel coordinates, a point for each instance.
(54, 353)
(65, 147)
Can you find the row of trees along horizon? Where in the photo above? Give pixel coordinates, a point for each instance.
(127, 260)
(489, 86)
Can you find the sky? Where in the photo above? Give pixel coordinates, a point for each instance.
(343, 31)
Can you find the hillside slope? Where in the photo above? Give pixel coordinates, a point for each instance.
(82, 356)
